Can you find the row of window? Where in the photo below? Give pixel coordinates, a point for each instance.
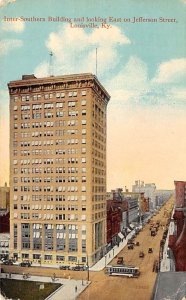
(48, 207)
(49, 151)
(48, 189)
(48, 124)
(49, 197)
(50, 179)
(48, 133)
(49, 96)
(37, 216)
(38, 115)
(47, 161)
(48, 105)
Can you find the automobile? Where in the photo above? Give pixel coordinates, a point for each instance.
(131, 246)
(8, 262)
(120, 261)
(150, 250)
(130, 241)
(78, 268)
(141, 254)
(63, 267)
(153, 232)
(25, 263)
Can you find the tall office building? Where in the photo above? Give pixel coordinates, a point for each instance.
(58, 168)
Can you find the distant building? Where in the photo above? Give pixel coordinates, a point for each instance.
(162, 196)
(149, 190)
(4, 221)
(177, 241)
(144, 204)
(4, 197)
(4, 245)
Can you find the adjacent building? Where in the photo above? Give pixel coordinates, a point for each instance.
(4, 197)
(58, 168)
(131, 208)
(177, 240)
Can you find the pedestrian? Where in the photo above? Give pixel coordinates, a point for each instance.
(76, 288)
(9, 275)
(82, 282)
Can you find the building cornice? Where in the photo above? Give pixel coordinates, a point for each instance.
(77, 81)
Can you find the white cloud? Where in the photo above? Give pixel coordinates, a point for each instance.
(8, 45)
(130, 83)
(75, 50)
(17, 26)
(5, 2)
(170, 71)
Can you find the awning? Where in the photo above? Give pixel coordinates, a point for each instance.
(132, 225)
(121, 235)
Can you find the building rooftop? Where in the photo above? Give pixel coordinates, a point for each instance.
(32, 80)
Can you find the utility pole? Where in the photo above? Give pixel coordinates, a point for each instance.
(51, 64)
(88, 271)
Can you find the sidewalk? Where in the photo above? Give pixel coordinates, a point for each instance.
(65, 292)
(105, 260)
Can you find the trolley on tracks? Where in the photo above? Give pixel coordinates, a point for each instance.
(129, 271)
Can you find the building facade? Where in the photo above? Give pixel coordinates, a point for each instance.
(177, 240)
(58, 168)
(4, 197)
(149, 190)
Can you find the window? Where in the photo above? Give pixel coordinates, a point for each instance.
(36, 116)
(83, 122)
(83, 102)
(71, 104)
(48, 105)
(60, 114)
(72, 258)
(83, 188)
(47, 257)
(60, 95)
(60, 258)
(59, 104)
(83, 93)
(37, 106)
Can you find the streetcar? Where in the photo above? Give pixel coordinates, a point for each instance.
(129, 271)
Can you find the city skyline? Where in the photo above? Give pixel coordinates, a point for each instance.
(142, 66)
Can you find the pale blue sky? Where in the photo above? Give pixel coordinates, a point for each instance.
(142, 65)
